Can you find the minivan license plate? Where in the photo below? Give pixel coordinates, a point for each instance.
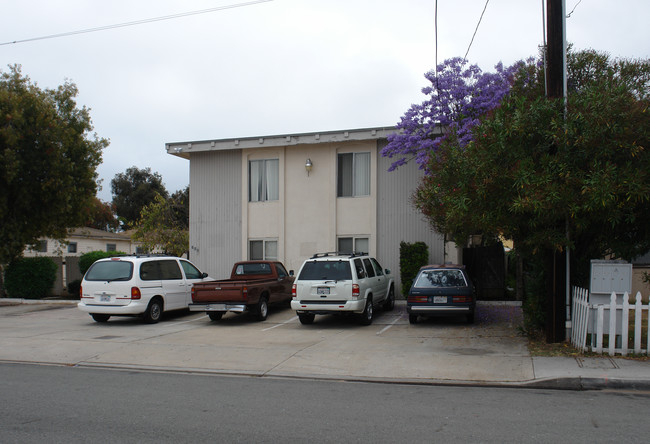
(323, 290)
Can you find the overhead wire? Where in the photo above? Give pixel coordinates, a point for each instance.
(137, 22)
(476, 30)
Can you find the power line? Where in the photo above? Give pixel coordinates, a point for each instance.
(137, 22)
(475, 31)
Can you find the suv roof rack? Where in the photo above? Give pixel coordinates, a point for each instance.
(339, 253)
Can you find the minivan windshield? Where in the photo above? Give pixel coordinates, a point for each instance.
(326, 271)
(110, 271)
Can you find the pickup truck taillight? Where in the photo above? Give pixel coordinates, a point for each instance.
(294, 293)
(193, 293)
(355, 290)
(135, 293)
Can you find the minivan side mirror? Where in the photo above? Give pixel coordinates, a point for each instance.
(204, 275)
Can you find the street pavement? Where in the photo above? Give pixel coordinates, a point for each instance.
(492, 352)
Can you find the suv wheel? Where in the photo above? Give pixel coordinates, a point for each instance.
(306, 318)
(366, 316)
(390, 300)
(154, 311)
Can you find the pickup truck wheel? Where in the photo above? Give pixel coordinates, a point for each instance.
(262, 309)
(99, 317)
(306, 318)
(366, 316)
(390, 300)
(215, 315)
(154, 312)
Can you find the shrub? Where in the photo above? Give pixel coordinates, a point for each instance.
(411, 258)
(73, 287)
(87, 259)
(30, 278)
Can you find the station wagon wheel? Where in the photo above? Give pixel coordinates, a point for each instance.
(262, 309)
(366, 316)
(154, 312)
(99, 317)
(470, 318)
(413, 318)
(306, 318)
(215, 315)
(390, 300)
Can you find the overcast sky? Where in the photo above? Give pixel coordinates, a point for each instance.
(275, 67)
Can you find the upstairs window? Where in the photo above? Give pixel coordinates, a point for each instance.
(263, 179)
(353, 171)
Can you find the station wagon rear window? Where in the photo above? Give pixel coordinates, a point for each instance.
(110, 271)
(326, 271)
(440, 279)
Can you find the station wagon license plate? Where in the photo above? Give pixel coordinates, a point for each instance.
(323, 290)
(440, 299)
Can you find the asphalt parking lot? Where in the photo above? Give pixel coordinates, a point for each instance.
(333, 347)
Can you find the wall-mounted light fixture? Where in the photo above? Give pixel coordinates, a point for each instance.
(308, 166)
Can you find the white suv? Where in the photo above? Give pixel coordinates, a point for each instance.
(341, 283)
(138, 285)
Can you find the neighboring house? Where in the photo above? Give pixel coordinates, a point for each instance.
(83, 240)
(287, 197)
(79, 241)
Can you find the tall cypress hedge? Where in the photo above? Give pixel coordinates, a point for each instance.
(30, 277)
(411, 258)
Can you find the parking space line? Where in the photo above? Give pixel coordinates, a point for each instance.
(389, 325)
(279, 325)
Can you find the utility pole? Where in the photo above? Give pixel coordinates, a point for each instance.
(556, 262)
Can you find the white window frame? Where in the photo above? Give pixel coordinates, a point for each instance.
(263, 180)
(267, 250)
(359, 186)
(355, 240)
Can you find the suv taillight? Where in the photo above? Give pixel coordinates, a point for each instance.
(355, 290)
(135, 293)
(294, 292)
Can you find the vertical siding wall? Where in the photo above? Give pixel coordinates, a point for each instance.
(215, 211)
(397, 219)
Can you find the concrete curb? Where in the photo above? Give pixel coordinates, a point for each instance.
(18, 301)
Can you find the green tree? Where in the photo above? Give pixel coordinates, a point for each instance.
(133, 190)
(533, 176)
(159, 227)
(180, 203)
(48, 161)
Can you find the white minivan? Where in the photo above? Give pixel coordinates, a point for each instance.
(143, 286)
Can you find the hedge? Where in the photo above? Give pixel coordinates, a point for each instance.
(30, 278)
(411, 258)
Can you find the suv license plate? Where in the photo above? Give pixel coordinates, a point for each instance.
(323, 290)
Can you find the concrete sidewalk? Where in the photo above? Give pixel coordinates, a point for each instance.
(489, 353)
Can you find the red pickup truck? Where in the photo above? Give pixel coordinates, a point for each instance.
(252, 286)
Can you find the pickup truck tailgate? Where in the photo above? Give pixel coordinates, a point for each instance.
(218, 291)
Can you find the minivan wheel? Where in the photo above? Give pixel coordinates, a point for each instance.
(390, 300)
(306, 318)
(99, 317)
(154, 312)
(366, 316)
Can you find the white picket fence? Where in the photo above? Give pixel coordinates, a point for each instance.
(591, 319)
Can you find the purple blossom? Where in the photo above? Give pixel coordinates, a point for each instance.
(458, 96)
